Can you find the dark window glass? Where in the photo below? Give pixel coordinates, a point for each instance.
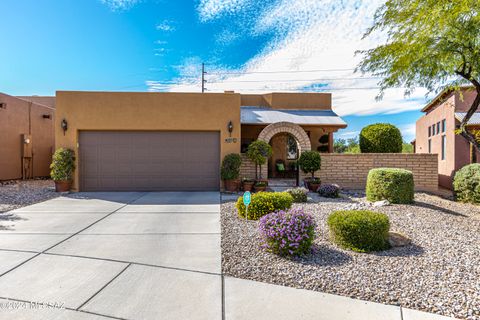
(438, 127)
(429, 131)
(444, 125)
(444, 146)
(292, 150)
(429, 145)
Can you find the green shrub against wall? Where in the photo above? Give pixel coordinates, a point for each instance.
(466, 183)
(63, 165)
(359, 230)
(263, 203)
(394, 185)
(310, 161)
(381, 138)
(231, 166)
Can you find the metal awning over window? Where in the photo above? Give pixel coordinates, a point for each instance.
(254, 115)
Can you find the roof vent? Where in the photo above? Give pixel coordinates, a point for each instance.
(3, 105)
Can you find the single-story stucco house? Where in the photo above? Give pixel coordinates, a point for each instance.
(176, 141)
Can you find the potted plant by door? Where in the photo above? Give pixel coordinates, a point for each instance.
(258, 152)
(63, 165)
(309, 162)
(230, 171)
(247, 184)
(260, 186)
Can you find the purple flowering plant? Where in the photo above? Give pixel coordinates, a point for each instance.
(329, 190)
(287, 233)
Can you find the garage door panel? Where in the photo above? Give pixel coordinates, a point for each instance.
(126, 161)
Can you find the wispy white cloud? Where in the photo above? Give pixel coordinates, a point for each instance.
(408, 131)
(210, 9)
(120, 4)
(347, 134)
(166, 26)
(315, 43)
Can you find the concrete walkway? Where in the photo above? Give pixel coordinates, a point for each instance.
(143, 256)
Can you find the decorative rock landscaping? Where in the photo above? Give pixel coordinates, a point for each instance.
(439, 271)
(19, 193)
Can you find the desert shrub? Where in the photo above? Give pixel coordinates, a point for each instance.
(329, 190)
(231, 166)
(63, 164)
(381, 138)
(287, 233)
(466, 183)
(310, 161)
(263, 203)
(359, 230)
(298, 194)
(394, 185)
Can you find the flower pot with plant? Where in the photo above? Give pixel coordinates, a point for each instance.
(230, 171)
(260, 186)
(247, 184)
(258, 152)
(310, 162)
(62, 168)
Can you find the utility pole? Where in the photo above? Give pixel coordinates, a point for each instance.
(203, 77)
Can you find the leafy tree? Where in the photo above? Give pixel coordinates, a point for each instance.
(309, 162)
(258, 151)
(407, 147)
(429, 43)
(346, 146)
(339, 145)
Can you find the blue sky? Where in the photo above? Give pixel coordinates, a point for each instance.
(158, 45)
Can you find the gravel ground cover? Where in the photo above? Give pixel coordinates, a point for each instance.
(20, 193)
(439, 272)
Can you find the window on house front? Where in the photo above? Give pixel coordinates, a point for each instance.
(292, 150)
(438, 127)
(429, 145)
(429, 131)
(444, 146)
(444, 125)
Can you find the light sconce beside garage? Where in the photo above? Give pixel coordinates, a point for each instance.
(230, 128)
(64, 125)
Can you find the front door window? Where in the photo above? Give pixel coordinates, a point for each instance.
(292, 150)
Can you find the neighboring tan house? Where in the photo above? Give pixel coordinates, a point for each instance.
(176, 141)
(435, 132)
(27, 137)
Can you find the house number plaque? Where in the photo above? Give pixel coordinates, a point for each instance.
(231, 140)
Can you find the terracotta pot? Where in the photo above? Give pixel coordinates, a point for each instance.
(248, 185)
(63, 185)
(231, 185)
(258, 188)
(311, 185)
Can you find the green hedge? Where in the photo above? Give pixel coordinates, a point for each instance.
(63, 165)
(263, 203)
(466, 183)
(231, 166)
(394, 185)
(359, 230)
(381, 138)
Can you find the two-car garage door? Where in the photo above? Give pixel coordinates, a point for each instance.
(146, 161)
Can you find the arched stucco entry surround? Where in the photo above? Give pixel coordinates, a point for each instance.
(287, 127)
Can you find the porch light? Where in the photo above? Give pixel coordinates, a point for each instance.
(230, 127)
(26, 141)
(64, 125)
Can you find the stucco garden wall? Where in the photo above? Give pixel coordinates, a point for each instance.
(351, 170)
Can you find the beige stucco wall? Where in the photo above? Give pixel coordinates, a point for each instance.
(147, 111)
(24, 117)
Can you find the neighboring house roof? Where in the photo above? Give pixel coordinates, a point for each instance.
(474, 120)
(255, 115)
(444, 94)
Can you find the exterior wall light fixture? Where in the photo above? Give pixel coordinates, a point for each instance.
(64, 125)
(230, 127)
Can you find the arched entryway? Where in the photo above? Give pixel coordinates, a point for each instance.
(282, 167)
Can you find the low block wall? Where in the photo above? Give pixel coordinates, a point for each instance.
(247, 169)
(351, 170)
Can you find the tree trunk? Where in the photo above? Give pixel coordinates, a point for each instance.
(463, 125)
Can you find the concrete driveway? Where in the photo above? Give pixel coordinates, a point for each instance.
(144, 256)
(118, 255)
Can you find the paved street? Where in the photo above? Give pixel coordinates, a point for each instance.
(143, 256)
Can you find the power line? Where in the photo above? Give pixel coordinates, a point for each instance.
(299, 80)
(285, 71)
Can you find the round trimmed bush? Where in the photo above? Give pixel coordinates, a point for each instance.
(287, 233)
(381, 138)
(310, 161)
(359, 230)
(263, 203)
(394, 185)
(466, 183)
